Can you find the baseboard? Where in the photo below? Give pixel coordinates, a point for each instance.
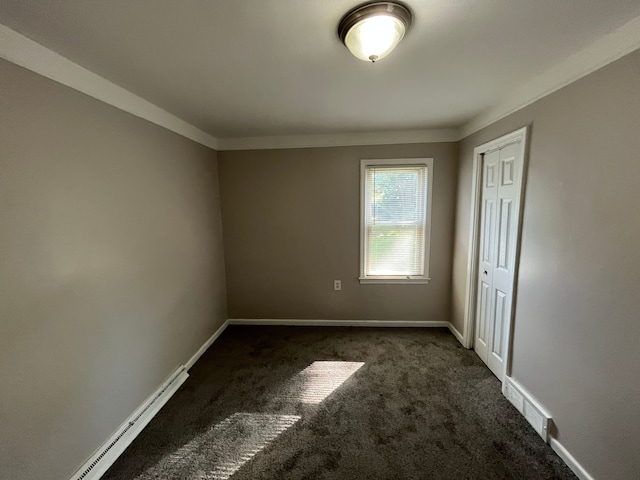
(116, 444)
(124, 435)
(540, 420)
(206, 345)
(110, 450)
(456, 333)
(335, 323)
(528, 406)
(571, 462)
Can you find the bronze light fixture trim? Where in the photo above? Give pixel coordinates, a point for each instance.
(371, 31)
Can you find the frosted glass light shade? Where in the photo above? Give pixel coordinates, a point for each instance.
(374, 38)
(371, 31)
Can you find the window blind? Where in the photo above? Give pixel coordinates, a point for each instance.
(395, 220)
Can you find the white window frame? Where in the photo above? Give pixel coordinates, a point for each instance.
(395, 162)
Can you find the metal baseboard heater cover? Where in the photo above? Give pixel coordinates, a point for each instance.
(528, 406)
(107, 454)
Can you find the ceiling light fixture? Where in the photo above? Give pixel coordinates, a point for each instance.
(371, 31)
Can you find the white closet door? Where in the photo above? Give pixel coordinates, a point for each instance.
(497, 244)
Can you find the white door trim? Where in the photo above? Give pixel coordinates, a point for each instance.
(518, 136)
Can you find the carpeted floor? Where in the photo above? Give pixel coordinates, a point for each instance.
(338, 403)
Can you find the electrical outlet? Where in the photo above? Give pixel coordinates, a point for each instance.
(337, 284)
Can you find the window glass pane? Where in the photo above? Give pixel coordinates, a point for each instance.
(395, 220)
(396, 195)
(395, 250)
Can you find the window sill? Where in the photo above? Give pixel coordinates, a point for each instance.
(394, 280)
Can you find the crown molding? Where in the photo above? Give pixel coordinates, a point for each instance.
(603, 51)
(340, 139)
(26, 53)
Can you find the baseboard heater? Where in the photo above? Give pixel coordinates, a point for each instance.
(108, 453)
(528, 406)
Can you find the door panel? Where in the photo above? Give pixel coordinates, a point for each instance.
(484, 311)
(488, 230)
(508, 170)
(501, 304)
(497, 347)
(484, 314)
(504, 232)
(501, 171)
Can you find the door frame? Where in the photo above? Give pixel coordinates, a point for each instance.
(518, 136)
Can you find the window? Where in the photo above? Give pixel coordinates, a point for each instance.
(395, 220)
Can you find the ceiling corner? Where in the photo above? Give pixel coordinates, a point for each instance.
(603, 51)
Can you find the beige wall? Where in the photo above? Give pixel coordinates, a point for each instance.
(577, 322)
(112, 269)
(113, 272)
(291, 226)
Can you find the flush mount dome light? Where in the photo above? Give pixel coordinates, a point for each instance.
(371, 31)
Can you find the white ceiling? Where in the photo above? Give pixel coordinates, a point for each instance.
(247, 68)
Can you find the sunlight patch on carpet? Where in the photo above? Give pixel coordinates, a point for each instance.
(223, 449)
(319, 380)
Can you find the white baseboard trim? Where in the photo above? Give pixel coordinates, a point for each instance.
(206, 345)
(116, 444)
(456, 333)
(111, 449)
(571, 462)
(336, 323)
(540, 420)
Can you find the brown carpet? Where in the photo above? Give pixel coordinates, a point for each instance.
(338, 403)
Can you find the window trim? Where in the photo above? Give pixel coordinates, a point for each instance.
(396, 162)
